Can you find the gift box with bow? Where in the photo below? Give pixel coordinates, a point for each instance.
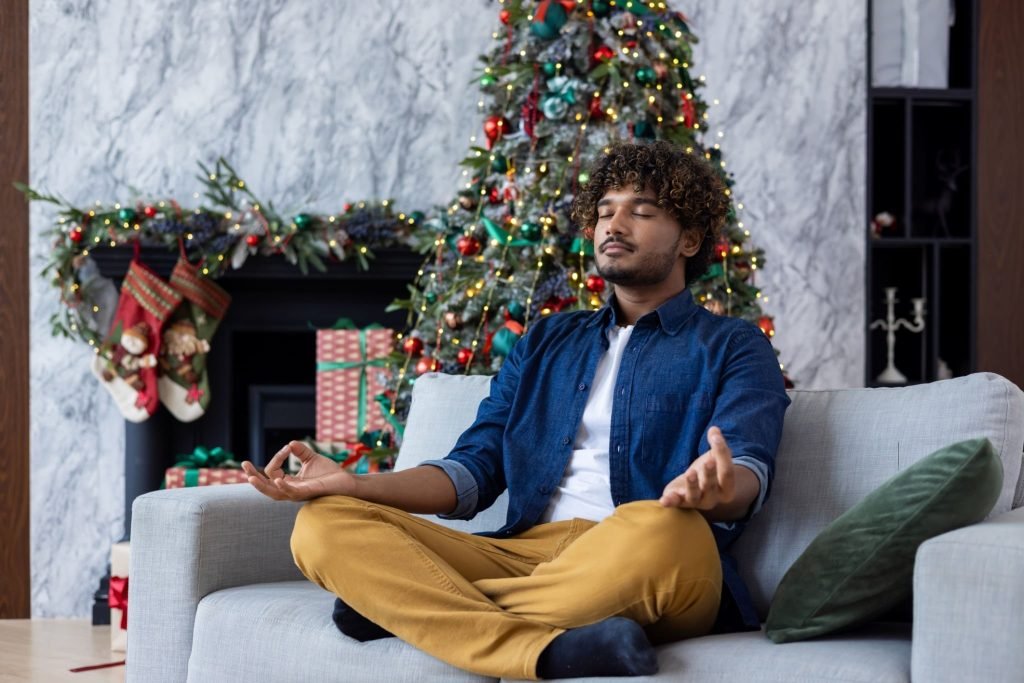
(117, 594)
(351, 376)
(205, 467)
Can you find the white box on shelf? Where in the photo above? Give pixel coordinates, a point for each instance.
(910, 43)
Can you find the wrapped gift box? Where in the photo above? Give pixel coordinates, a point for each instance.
(180, 477)
(118, 596)
(351, 373)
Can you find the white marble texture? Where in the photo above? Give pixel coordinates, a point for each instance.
(319, 102)
(790, 80)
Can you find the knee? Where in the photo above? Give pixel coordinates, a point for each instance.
(316, 530)
(672, 538)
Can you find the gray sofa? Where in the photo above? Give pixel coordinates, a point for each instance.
(215, 595)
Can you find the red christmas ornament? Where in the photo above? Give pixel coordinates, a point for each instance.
(631, 44)
(76, 235)
(595, 284)
(427, 365)
(766, 325)
(722, 248)
(468, 245)
(494, 196)
(413, 346)
(689, 112)
(603, 53)
(464, 356)
(531, 113)
(596, 112)
(510, 193)
(252, 240)
(494, 128)
(149, 211)
(556, 303)
(505, 16)
(346, 207)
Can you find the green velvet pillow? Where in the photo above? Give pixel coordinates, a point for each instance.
(862, 564)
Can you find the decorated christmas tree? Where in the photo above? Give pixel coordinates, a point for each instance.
(564, 80)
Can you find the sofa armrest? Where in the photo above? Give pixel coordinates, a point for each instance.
(969, 603)
(186, 544)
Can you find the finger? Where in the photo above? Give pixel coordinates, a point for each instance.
(252, 470)
(273, 467)
(707, 482)
(691, 489)
(262, 485)
(717, 442)
(299, 489)
(723, 458)
(673, 493)
(670, 499)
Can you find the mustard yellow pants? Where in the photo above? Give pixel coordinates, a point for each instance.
(491, 605)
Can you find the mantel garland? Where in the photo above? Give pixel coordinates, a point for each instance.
(222, 233)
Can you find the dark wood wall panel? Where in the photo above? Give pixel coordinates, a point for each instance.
(1000, 199)
(15, 582)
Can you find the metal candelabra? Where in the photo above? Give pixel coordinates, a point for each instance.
(890, 324)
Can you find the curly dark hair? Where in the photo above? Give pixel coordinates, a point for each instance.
(684, 184)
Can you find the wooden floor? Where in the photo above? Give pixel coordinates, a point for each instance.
(44, 649)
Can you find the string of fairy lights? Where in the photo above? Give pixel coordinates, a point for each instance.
(567, 177)
(509, 78)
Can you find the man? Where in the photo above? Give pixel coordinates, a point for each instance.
(634, 443)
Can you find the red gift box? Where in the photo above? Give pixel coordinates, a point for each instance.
(351, 373)
(180, 477)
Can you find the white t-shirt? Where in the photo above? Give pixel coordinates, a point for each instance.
(586, 489)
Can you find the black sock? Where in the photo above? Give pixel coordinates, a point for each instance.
(614, 647)
(355, 625)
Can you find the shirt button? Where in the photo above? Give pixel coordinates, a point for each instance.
(618, 449)
(622, 392)
(582, 386)
(565, 441)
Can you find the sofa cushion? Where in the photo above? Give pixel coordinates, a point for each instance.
(862, 564)
(444, 406)
(283, 633)
(878, 655)
(838, 446)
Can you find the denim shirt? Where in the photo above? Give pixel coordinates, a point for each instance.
(683, 370)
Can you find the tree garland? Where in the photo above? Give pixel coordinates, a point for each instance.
(220, 234)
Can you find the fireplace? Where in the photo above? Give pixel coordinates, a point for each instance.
(262, 364)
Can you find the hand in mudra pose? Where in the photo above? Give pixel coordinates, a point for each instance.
(708, 482)
(318, 476)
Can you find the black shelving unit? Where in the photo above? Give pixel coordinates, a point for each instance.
(922, 169)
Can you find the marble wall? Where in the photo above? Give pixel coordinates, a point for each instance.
(318, 102)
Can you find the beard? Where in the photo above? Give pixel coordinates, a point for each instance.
(651, 269)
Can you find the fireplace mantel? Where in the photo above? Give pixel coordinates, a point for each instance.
(266, 340)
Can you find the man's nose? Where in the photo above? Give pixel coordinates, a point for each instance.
(616, 225)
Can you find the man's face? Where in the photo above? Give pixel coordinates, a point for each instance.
(637, 243)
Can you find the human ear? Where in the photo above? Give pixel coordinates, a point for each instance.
(689, 245)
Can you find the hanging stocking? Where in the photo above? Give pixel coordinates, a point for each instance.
(127, 359)
(184, 386)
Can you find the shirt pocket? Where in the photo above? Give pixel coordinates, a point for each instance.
(673, 424)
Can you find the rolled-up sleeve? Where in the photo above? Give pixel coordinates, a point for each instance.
(466, 489)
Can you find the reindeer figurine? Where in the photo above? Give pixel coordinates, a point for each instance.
(949, 170)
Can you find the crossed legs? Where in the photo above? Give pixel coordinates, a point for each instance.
(494, 606)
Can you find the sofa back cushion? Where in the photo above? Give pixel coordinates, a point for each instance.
(443, 406)
(838, 446)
